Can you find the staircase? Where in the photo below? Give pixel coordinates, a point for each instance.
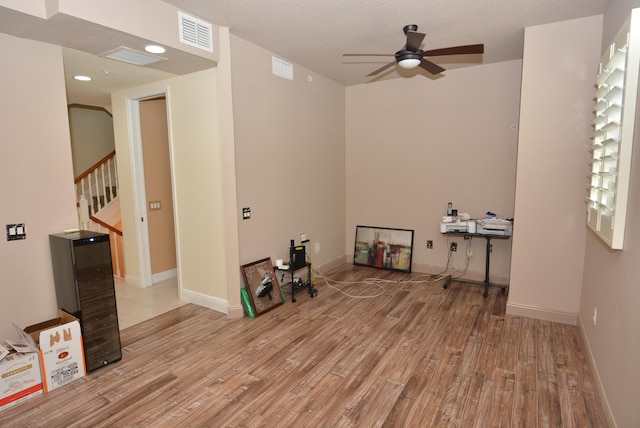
(99, 206)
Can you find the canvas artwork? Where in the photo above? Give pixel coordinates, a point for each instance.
(383, 248)
(262, 285)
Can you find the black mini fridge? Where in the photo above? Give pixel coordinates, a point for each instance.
(83, 276)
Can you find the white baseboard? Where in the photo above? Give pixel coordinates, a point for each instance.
(234, 312)
(433, 270)
(214, 303)
(542, 313)
(332, 264)
(157, 277)
(163, 276)
(468, 276)
(596, 375)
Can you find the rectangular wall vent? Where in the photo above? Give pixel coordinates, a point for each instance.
(282, 69)
(195, 32)
(131, 56)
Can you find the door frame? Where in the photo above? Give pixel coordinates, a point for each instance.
(138, 182)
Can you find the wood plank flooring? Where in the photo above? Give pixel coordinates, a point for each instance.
(417, 355)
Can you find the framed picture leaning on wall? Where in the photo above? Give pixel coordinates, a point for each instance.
(383, 248)
(262, 285)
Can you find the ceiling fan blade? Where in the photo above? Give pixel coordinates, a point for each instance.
(414, 40)
(358, 54)
(431, 67)
(381, 69)
(456, 50)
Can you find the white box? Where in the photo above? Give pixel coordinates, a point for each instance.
(19, 378)
(61, 350)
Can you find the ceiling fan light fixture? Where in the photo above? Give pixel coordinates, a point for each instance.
(409, 63)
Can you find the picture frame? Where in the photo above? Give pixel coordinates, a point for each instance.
(262, 285)
(383, 248)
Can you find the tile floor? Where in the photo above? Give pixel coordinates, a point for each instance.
(137, 304)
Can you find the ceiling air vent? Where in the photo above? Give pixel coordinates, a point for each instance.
(195, 32)
(281, 68)
(131, 56)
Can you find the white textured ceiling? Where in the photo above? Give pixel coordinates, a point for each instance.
(315, 33)
(311, 33)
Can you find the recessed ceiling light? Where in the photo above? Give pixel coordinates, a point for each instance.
(155, 49)
(82, 78)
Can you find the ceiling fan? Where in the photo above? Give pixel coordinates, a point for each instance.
(411, 56)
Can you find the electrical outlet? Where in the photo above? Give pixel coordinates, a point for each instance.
(453, 247)
(429, 244)
(16, 232)
(469, 252)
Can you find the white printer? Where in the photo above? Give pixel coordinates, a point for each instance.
(494, 226)
(454, 226)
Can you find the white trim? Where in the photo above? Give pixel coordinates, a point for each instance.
(200, 299)
(176, 221)
(545, 314)
(163, 276)
(138, 190)
(137, 174)
(332, 264)
(235, 312)
(608, 413)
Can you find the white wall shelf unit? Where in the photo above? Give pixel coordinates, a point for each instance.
(615, 110)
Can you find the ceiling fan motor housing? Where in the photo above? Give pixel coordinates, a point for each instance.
(408, 59)
(410, 27)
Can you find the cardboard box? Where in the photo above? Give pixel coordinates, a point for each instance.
(61, 350)
(19, 378)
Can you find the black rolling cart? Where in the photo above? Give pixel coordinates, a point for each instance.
(487, 256)
(297, 262)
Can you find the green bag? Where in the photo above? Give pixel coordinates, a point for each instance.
(246, 303)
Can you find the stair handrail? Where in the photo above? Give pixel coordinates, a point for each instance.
(94, 167)
(105, 225)
(99, 183)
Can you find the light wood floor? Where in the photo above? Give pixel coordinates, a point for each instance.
(415, 356)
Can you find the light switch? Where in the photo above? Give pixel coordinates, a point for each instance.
(16, 232)
(154, 205)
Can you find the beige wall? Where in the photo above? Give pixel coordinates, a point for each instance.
(559, 68)
(37, 178)
(289, 142)
(157, 178)
(414, 144)
(91, 136)
(611, 285)
(194, 133)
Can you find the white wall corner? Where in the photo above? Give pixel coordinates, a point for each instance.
(234, 312)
